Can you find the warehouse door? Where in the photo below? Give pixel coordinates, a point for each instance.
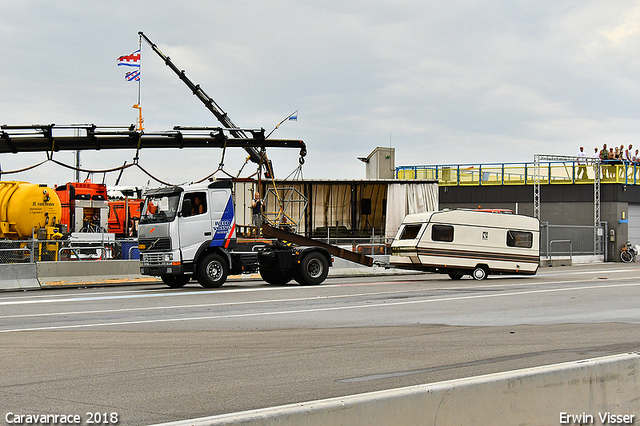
(634, 223)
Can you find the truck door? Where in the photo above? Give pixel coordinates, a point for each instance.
(223, 223)
(195, 227)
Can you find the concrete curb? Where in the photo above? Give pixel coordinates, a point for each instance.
(533, 396)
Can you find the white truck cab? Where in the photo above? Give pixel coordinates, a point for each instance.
(190, 232)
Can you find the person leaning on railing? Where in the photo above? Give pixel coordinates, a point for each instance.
(604, 159)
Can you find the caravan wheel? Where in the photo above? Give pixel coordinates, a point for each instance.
(480, 273)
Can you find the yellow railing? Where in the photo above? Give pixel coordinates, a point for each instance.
(554, 173)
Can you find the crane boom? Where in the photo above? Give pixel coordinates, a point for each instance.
(208, 102)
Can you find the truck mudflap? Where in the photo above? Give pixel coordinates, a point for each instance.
(304, 241)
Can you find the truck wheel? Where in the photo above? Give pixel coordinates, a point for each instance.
(313, 269)
(175, 281)
(212, 271)
(480, 273)
(455, 276)
(275, 277)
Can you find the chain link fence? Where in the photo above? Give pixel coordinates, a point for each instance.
(29, 251)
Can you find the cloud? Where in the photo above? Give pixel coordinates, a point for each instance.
(456, 82)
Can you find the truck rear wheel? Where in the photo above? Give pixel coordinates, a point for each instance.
(212, 271)
(314, 268)
(275, 277)
(175, 281)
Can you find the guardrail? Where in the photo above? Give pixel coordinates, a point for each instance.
(552, 172)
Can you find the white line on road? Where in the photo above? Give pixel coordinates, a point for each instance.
(311, 310)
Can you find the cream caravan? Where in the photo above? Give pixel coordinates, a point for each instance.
(467, 242)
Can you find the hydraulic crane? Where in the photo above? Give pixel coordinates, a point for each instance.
(254, 155)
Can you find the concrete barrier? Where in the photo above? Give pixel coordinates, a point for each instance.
(546, 395)
(94, 272)
(18, 276)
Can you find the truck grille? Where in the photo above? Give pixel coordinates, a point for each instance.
(154, 244)
(153, 259)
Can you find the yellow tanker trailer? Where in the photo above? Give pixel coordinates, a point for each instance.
(29, 211)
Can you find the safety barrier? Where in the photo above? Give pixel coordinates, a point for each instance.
(98, 272)
(18, 276)
(548, 395)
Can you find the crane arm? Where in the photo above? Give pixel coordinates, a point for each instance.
(208, 102)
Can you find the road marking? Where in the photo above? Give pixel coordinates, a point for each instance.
(311, 310)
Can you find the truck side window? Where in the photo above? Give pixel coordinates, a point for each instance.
(410, 232)
(519, 239)
(198, 203)
(442, 233)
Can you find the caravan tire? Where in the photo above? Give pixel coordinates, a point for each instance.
(212, 271)
(455, 276)
(480, 273)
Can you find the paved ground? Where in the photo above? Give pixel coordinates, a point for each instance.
(152, 354)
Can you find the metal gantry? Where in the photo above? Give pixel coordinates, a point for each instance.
(595, 162)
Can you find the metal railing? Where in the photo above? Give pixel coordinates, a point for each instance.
(33, 250)
(560, 242)
(552, 172)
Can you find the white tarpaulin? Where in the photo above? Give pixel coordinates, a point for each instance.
(404, 199)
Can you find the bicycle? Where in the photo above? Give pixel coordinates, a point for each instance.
(628, 252)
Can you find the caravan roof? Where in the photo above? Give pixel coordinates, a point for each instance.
(475, 218)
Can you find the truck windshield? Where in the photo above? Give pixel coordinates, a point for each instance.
(160, 208)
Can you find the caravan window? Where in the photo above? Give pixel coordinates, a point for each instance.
(410, 232)
(519, 239)
(442, 233)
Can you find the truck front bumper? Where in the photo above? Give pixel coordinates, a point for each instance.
(157, 270)
(160, 264)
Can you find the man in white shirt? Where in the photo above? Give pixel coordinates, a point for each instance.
(582, 169)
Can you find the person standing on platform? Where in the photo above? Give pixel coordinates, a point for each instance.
(256, 210)
(582, 168)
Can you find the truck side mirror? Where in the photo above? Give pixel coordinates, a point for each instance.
(186, 207)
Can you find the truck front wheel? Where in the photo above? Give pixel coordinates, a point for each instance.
(314, 268)
(212, 271)
(175, 281)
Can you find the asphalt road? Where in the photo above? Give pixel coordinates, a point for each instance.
(152, 354)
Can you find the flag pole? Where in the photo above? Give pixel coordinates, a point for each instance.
(292, 116)
(137, 105)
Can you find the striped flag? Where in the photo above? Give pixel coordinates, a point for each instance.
(132, 60)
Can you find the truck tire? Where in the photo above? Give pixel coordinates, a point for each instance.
(480, 273)
(212, 271)
(175, 281)
(276, 277)
(314, 268)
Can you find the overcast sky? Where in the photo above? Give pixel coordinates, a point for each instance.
(455, 82)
